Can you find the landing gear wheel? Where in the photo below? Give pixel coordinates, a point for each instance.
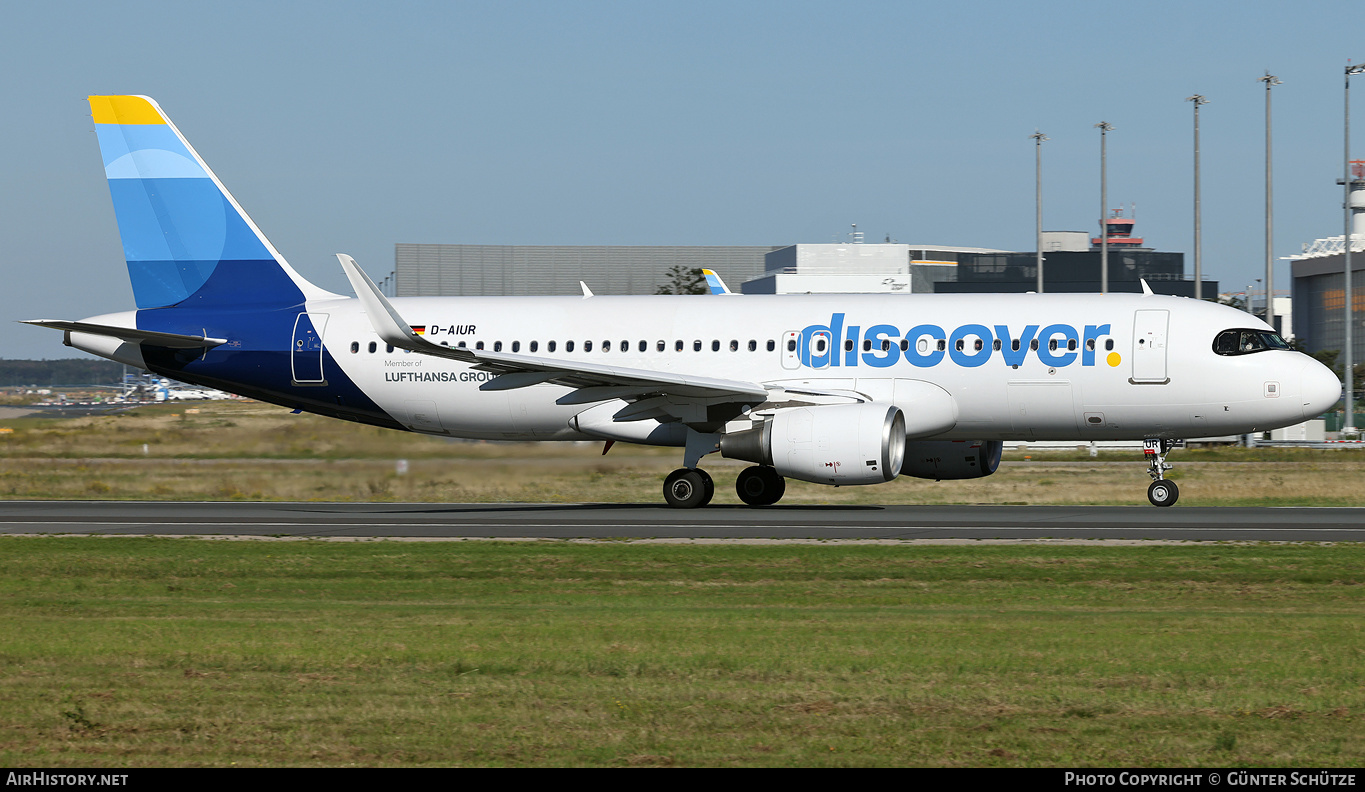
(709, 486)
(760, 486)
(687, 489)
(1163, 493)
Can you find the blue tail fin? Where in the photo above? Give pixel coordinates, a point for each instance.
(186, 240)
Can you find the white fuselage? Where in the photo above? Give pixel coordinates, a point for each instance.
(1114, 366)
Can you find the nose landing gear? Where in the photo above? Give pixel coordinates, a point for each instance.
(1162, 492)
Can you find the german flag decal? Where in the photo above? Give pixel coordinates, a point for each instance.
(419, 329)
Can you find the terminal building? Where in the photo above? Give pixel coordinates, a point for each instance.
(1319, 292)
(1071, 264)
(494, 270)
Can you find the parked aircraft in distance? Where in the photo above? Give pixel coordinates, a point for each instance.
(833, 389)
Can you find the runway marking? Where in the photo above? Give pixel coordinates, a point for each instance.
(315, 526)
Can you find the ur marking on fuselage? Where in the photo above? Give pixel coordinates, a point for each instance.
(833, 389)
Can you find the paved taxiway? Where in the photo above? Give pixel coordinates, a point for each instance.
(619, 521)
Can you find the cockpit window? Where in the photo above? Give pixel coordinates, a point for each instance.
(1244, 342)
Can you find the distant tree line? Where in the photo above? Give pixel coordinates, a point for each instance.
(65, 372)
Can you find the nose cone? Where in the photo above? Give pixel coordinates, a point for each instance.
(1320, 388)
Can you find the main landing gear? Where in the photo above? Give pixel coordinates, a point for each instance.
(760, 485)
(689, 488)
(1162, 492)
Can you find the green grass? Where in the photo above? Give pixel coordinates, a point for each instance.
(127, 651)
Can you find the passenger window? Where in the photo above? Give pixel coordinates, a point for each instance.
(625, 346)
(1014, 344)
(497, 346)
(678, 346)
(355, 347)
(734, 345)
(771, 345)
(1071, 345)
(942, 345)
(791, 346)
(979, 344)
(905, 344)
(1052, 344)
(1090, 344)
(1033, 345)
(478, 345)
(534, 345)
(568, 346)
(606, 346)
(516, 346)
(587, 346)
(715, 345)
(820, 345)
(959, 345)
(374, 346)
(753, 345)
(661, 346)
(550, 346)
(1109, 345)
(696, 345)
(389, 348)
(995, 345)
(867, 345)
(848, 345)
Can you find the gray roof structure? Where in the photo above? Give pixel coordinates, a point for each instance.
(493, 270)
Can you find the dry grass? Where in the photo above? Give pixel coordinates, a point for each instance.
(251, 451)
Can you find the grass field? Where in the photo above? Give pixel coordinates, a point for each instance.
(146, 652)
(250, 451)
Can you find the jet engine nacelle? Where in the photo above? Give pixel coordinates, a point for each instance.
(951, 459)
(839, 444)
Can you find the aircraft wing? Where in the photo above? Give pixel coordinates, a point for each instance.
(658, 395)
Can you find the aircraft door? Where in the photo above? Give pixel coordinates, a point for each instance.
(820, 350)
(1041, 408)
(305, 359)
(1149, 347)
(422, 416)
(791, 352)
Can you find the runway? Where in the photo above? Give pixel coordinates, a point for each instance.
(635, 521)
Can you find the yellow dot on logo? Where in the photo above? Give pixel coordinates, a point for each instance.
(1114, 359)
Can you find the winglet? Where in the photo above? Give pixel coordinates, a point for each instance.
(586, 291)
(386, 322)
(714, 283)
(1146, 290)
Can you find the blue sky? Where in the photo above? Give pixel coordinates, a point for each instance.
(347, 127)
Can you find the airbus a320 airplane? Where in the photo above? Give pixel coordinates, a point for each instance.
(832, 389)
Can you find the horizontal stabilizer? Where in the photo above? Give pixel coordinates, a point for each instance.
(131, 334)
